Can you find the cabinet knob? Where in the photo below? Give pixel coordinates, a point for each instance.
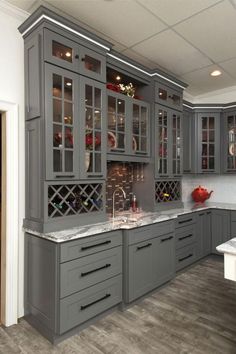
(82, 59)
(77, 56)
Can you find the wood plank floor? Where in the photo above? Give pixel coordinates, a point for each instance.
(193, 314)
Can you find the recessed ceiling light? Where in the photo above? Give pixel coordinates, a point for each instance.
(118, 78)
(216, 73)
(68, 54)
(68, 83)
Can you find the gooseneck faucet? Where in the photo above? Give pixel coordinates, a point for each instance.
(113, 197)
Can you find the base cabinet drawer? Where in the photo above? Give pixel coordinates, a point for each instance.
(184, 220)
(83, 272)
(80, 307)
(185, 236)
(185, 256)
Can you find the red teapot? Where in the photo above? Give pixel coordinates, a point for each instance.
(200, 194)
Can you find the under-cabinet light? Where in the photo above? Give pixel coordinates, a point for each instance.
(68, 54)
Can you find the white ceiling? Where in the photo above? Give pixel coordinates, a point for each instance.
(187, 38)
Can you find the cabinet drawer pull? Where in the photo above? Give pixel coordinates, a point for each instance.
(183, 259)
(96, 245)
(83, 307)
(184, 221)
(145, 246)
(167, 239)
(64, 176)
(183, 237)
(95, 270)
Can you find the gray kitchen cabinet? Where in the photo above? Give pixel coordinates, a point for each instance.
(220, 226)
(128, 127)
(233, 224)
(188, 141)
(228, 141)
(208, 142)
(203, 229)
(168, 96)
(148, 263)
(62, 293)
(168, 149)
(66, 53)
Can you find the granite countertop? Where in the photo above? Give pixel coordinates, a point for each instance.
(129, 221)
(228, 247)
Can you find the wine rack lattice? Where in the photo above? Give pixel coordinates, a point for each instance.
(167, 191)
(73, 199)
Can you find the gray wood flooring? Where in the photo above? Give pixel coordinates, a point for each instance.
(193, 314)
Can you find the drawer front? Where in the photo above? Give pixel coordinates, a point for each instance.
(89, 245)
(233, 215)
(185, 256)
(147, 232)
(186, 219)
(185, 235)
(86, 304)
(233, 229)
(87, 271)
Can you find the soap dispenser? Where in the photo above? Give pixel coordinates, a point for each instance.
(134, 203)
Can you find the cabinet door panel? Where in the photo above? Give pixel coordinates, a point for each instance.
(220, 228)
(140, 269)
(61, 123)
(92, 64)
(229, 142)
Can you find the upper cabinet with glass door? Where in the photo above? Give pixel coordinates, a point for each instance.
(169, 97)
(229, 142)
(70, 55)
(208, 142)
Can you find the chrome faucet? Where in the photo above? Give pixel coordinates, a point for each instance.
(113, 197)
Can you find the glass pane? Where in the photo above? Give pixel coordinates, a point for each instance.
(88, 118)
(69, 137)
(178, 122)
(111, 121)
(174, 166)
(204, 150)
(68, 113)
(97, 119)
(121, 107)
(98, 162)
(230, 120)
(211, 149)
(111, 104)
(143, 144)
(57, 135)
(111, 140)
(211, 123)
(136, 125)
(69, 161)
(61, 51)
(92, 64)
(135, 142)
(162, 94)
(178, 166)
(204, 122)
(174, 151)
(136, 111)
(211, 135)
(120, 141)
(174, 122)
(57, 160)
(143, 120)
(89, 140)
(68, 85)
(97, 97)
(98, 141)
(120, 123)
(204, 163)
(211, 163)
(57, 85)
(204, 135)
(57, 111)
(88, 95)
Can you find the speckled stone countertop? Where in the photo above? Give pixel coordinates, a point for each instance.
(129, 221)
(228, 247)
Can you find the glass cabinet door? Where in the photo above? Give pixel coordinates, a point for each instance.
(231, 142)
(116, 133)
(163, 142)
(60, 127)
(176, 143)
(92, 64)
(140, 128)
(92, 104)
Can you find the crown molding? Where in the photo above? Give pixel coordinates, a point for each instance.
(13, 11)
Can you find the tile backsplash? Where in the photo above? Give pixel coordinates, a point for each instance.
(224, 187)
(123, 175)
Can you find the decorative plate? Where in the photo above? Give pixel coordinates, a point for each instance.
(111, 140)
(134, 144)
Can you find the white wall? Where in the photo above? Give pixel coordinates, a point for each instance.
(12, 90)
(224, 187)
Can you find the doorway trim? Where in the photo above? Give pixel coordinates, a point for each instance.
(10, 223)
